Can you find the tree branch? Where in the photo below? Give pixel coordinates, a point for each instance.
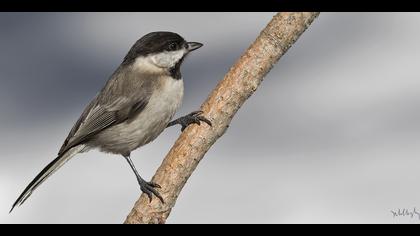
(224, 101)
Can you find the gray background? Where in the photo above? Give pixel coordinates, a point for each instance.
(331, 136)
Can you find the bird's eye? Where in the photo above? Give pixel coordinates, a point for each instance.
(172, 46)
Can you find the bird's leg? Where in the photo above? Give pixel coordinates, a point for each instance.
(146, 187)
(192, 118)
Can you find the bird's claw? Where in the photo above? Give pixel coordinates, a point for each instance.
(149, 189)
(193, 118)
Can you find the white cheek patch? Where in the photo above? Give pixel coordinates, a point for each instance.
(144, 64)
(168, 59)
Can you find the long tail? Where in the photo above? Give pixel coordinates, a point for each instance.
(45, 173)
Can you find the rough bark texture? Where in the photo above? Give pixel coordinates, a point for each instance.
(224, 101)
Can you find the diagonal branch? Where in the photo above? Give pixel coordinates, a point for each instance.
(224, 101)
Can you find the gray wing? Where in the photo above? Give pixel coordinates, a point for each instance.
(118, 101)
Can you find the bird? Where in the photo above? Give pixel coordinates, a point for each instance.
(134, 106)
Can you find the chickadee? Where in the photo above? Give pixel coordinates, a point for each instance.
(133, 108)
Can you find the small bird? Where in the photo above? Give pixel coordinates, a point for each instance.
(136, 104)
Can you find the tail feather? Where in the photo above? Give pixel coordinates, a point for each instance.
(45, 173)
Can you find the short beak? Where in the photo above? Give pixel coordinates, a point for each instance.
(191, 46)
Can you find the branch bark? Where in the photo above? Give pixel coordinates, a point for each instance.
(224, 101)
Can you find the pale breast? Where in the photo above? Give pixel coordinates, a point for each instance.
(149, 123)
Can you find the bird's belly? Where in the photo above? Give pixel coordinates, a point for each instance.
(147, 125)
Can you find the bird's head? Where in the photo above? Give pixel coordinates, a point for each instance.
(159, 51)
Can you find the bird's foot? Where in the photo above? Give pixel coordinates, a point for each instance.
(192, 118)
(149, 189)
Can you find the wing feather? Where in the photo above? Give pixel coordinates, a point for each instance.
(116, 103)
